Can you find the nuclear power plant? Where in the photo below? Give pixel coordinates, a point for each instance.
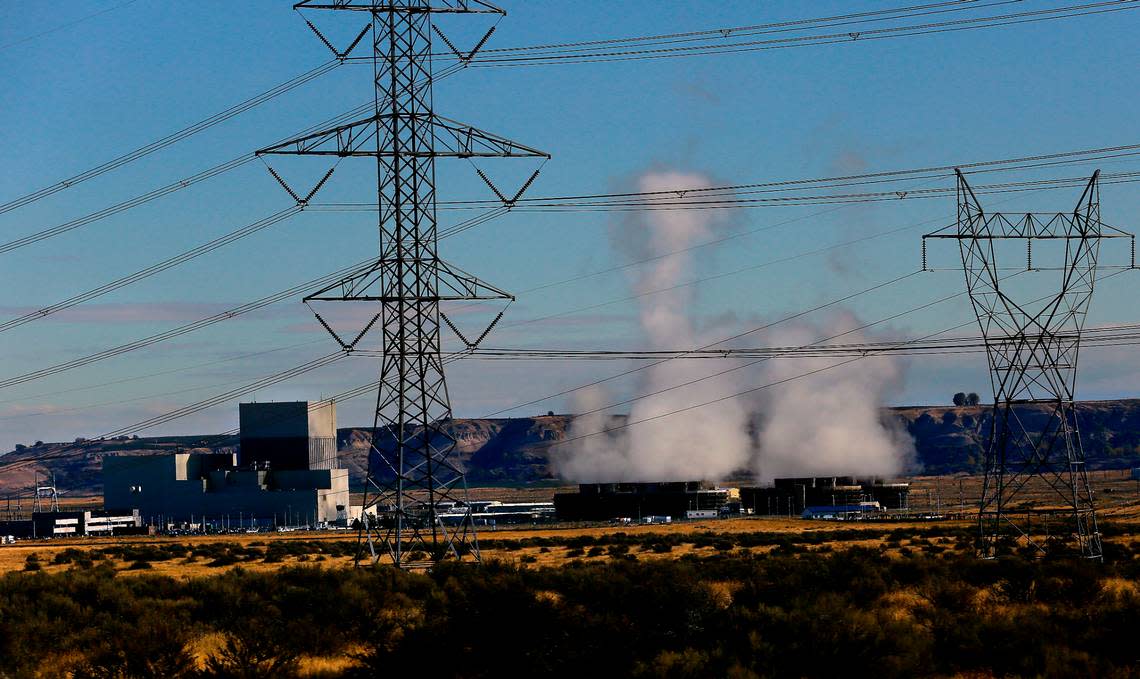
(284, 473)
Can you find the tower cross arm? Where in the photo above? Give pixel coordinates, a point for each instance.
(349, 139)
(452, 139)
(407, 6)
(367, 284)
(464, 141)
(1031, 225)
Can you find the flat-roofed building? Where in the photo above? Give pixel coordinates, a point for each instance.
(288, 435)
(285, 474)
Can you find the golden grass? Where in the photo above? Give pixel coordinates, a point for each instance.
(206, 645)
(1118, 590)
(325, 666)
(900, 605)
(722, 591)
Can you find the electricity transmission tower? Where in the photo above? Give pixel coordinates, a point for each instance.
(1034, 462)
(415, 485)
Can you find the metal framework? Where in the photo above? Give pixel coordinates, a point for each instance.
(415, 485)
(1034, 444)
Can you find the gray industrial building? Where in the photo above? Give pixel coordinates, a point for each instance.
(294, 435)
(56, 524)
(284, 473)
(826, 495)
(603, 501)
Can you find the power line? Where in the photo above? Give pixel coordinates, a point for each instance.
(952, 345)
(149, 196)
(185, 182)
(928, 172)
(218, 439)
(723, 274)
(69, 24)
(162, 143)
(273, 298)
(228, 395)
(161, 373)
(725, 32)
(369, 387)
(685, 195)
(141, 274)
(849, 37)
(183, 329)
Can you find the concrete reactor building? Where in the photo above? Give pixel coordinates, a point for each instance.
(285, 473)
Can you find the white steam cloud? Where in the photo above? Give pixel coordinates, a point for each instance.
(708, 444)
(824, 424)
(829, 422)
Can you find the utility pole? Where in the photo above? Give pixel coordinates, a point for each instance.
(411, 466)
(1032, 348)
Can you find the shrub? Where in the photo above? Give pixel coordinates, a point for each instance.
(617, 551)
(68, 555)
(153, 648)
(252, 652)
(224, 559)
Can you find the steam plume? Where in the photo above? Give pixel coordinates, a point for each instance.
(830, 422)
(823, 424)
(711, 443)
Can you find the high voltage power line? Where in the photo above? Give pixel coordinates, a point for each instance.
(161, 373)
(696, 197)
(459, 228)
(719, 34)
(175, 137)
(69, 24)
(602, 54)
(324, 360)
(252, 102)
(181, 184)
(674, 197)
(149, 271)
(134, 345)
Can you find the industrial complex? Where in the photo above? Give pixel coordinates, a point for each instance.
(675, 499)
(826, 497)
(833, 497)
(284, 474)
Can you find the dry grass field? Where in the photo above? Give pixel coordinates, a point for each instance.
(712, 558)
(14, 557)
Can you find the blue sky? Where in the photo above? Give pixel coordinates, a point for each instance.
(91, 90)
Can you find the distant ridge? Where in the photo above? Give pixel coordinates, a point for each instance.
(516, 451)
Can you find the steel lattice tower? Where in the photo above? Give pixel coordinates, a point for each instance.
(1032, 347)
(413, 475)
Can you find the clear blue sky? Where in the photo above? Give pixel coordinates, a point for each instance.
(78, 93)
